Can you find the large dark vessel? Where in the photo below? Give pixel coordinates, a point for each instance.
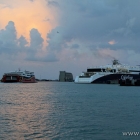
(109, 73)
(19, 76)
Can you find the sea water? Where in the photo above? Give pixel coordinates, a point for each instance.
(69, 111)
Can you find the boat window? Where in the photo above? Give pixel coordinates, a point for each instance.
(134, 71)
(113, 70)
(96, 70)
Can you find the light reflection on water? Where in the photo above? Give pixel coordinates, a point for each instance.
(67, 111)
(23, 110)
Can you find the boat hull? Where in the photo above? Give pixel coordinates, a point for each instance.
(29, 80)
(106, 79)
(10, 78)
(17, 78)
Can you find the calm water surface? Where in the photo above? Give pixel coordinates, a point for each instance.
(68, 111)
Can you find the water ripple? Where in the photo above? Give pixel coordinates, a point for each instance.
(67, 111)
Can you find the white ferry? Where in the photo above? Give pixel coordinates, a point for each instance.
(111, 73)
(19, 76)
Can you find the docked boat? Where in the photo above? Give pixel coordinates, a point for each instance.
(111, 73)
(19, 76)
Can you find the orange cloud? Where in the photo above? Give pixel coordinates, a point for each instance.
(27, 15)
(112, 42)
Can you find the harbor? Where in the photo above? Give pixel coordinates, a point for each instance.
(69, 70)
(29, 77)
(115, 73)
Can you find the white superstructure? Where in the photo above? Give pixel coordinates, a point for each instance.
(26, 74)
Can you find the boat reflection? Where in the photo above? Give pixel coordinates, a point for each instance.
(25, 110)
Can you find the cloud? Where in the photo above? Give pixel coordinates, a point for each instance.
(52, 3)
(35, 50)
(8, 38)
(96, 22)
(22, 41)
(10, 44)
(35, 38)
(9, 33)
(28, 14)
(72, 32)
(112, 42)
(86, 25)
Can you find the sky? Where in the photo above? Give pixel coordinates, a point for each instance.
(48, 36)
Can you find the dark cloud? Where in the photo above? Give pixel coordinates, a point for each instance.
(10, 44)
(35, 52)
(22, 41)
(55, 40)
(8, 38)
(9, 33)
(95, 23)
(35, 38)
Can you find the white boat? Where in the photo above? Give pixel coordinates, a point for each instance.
(111, 73)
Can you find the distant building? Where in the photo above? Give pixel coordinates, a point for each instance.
(65, 76)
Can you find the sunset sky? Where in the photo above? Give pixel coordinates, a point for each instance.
(47, 36)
